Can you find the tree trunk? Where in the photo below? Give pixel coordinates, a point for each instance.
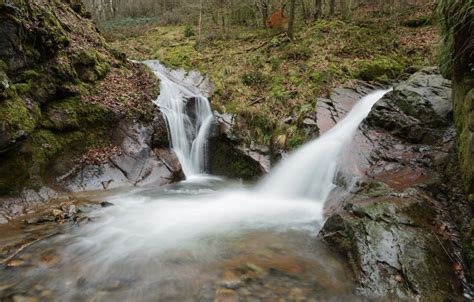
(318, 5)
(332, 7)
(291, 19)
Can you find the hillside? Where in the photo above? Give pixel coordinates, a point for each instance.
(271, 83)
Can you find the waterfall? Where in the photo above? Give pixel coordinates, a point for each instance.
(310, 171)
(188, 129)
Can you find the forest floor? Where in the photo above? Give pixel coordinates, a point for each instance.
(268, 80)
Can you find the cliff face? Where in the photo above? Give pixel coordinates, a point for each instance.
(458, 64)
(63, 91)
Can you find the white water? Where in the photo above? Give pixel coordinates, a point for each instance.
(172, 233)
(291, 197)
(188, 136)
(310, 171)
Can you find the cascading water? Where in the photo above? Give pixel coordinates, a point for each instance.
(173, 243)
(189, 136)
(310, 171)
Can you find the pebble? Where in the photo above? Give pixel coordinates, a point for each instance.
(230, 280)
(106, 204)
(226, 295)
(58, 213)
(21, 298)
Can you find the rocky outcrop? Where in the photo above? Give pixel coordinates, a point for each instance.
(228, 158)
(66, 102)
(458, 65)
(399, 229)
(133, 163)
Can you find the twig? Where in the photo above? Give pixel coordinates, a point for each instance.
(25, 246)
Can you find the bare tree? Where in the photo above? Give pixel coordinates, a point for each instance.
(291, 20)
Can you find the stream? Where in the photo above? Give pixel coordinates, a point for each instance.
(203, 239)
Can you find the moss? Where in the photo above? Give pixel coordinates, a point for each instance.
(13, 174)
(178, 57)
(228, 161)
(382, 68)
(4, 84)
(23, 88)
(61, 115)
(44, 145)
(296, 137)
(90, 65)
(30, 74)
(74, 113)
(16, 116)
(3, 65)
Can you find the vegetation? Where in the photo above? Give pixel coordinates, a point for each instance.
(457, 62)
(265, 78)
(62, 89)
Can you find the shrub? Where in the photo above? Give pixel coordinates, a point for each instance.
(254, 79)
(188, 31)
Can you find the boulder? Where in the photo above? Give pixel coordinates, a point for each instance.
(134, 164)
(416, 109)
(228, 158)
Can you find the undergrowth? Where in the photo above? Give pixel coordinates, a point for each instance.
(265, 79)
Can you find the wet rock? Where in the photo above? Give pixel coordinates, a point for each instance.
(228, 158)
(340, 102)
(171, 161)
(106, 204)
(58, 214)
(416, 108)
(392, 251)
(296, 294)
(159, 138)
(385, 227)
(136, 165)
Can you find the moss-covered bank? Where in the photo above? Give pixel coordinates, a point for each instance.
(62, 90)
(457, 63)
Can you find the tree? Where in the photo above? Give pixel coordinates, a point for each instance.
(318, 9)
(332, 7)
(291, 20)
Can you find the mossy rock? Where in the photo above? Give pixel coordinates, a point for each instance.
(4, 84)
(377, 69)
(23, 88)
(17, 117)
(90, 65)
(61, 115)
(227, 160)
(74, 113)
